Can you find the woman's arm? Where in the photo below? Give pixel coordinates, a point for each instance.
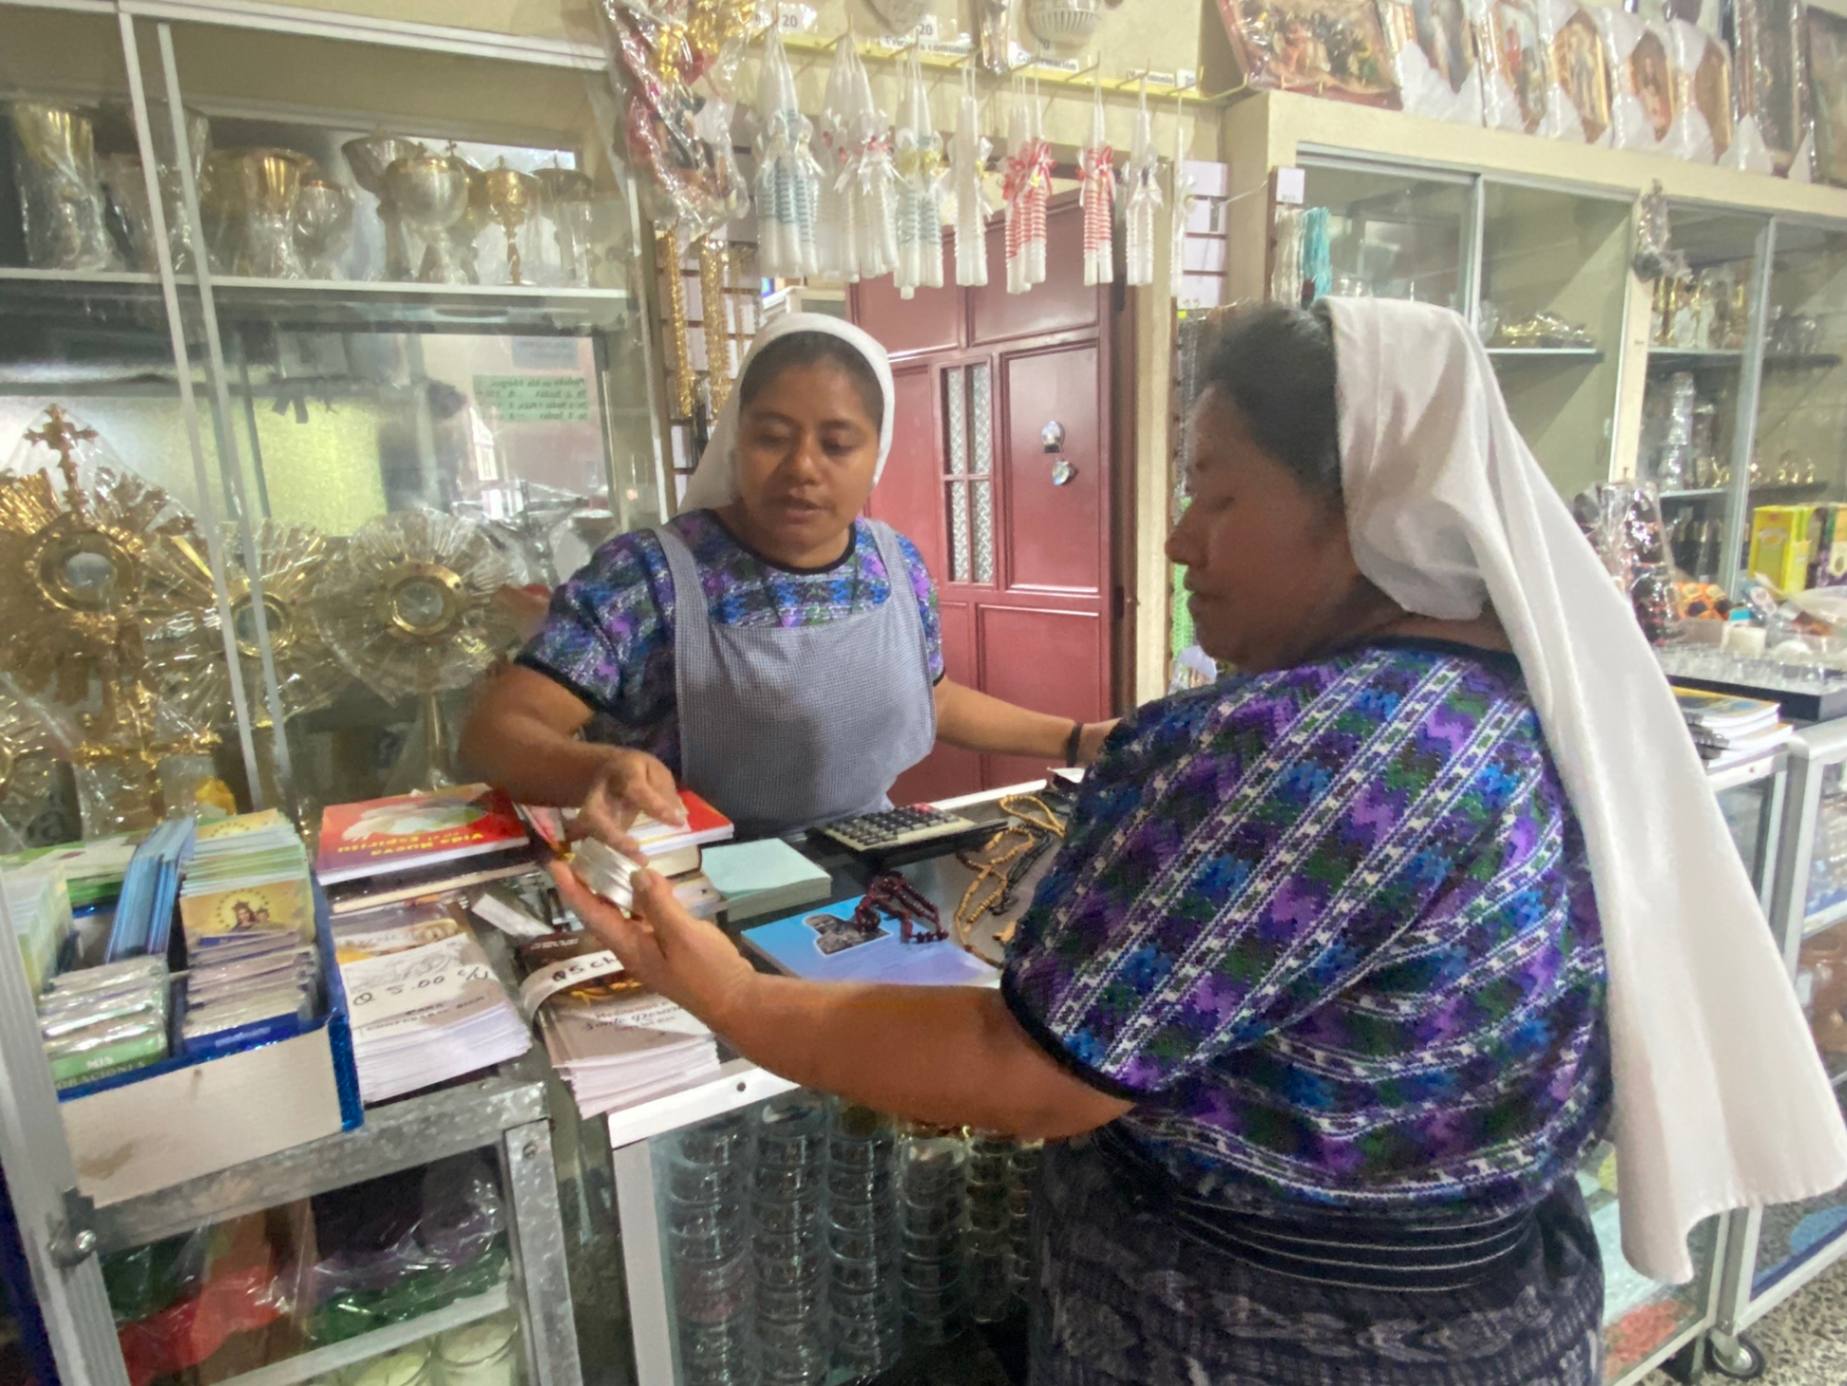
(977, 722)
(949, 1055)
(522, 736)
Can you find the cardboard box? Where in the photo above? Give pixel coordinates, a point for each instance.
(1780, 544)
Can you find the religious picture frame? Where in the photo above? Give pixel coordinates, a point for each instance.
(1524, 62)
(1652, 76)
(1443, 31)
(1826, 36)
(1579, 70)
(1331, 48)
(1764, 73)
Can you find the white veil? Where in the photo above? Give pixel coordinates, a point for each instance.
(1720, 1098)
(714, 481)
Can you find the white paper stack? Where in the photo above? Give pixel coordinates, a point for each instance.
(613, 1041)
(426, 1004)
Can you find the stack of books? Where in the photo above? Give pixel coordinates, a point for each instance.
(426, 1004)
(144, 914)
(614, 1042)
(674, 852)
(382, 851)
(1730, 729)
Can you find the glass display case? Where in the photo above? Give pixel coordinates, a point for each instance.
(367, 309)
(1773, 1252)
(1550, 310)
(1542, 272)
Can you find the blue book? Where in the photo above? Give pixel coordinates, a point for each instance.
(824, 945)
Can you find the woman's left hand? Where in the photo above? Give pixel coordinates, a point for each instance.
(685, 959)
(1090, 740)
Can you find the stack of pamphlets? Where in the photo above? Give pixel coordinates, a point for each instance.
(144, 913)
(92, 870)
(672, 851)
(100, 1021)
(411, 845)
(612, 1040)
(425, 1002)
(767, 877)
(39, 904)
(247, 909)
(1730, 729)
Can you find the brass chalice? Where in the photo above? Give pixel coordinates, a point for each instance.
(58, 188)
(371, 159)
(269, 185)
(430, 192)
(565, 197)
(512, 197)
(323, 227)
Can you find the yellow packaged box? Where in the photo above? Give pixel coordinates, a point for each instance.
(1780, 540)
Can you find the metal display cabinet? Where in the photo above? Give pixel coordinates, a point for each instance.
(263, 1252)
(300, 345)
(1774, 1252)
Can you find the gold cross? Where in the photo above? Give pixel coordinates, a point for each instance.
(61, 434)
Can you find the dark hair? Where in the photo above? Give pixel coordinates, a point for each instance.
(810, 349)
(1275, 365)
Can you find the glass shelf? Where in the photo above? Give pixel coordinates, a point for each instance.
(1580, 356)
(321, 1363)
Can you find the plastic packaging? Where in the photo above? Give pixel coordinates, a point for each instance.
(657, 53)
(1433, 44)
(1622, 520)
(1763, 115)
(1331, 48)
(1517, 88)
(1635, 53)
(1096, 172)
(1578, 100)
(1701, 131)
(1826, 91)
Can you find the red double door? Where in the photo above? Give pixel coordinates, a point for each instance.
(1000, 473)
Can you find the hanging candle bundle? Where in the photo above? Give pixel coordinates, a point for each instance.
(679, 346)
(788, 177)
(870, 181)
(1026, 189)
(968, 162)
(1142, 199)
(715, 315)
(1096, 172)
(1182, 207)
(918, 158)
(833, 148)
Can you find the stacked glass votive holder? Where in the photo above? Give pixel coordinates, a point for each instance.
(1022, 1181)
(789, 1246)
(863, 1242)
(932, 1204)
(989, 1243)
(708, 1216)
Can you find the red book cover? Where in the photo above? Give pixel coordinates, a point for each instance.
(385, 836)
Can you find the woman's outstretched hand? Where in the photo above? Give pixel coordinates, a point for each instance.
(668, 950)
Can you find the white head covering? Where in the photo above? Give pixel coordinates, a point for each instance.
(715, 479)
(1720, 1098)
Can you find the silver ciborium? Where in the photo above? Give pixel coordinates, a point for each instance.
(370, 159)
(565, 199)
(61, 200)
(323, 227)
(430, 192)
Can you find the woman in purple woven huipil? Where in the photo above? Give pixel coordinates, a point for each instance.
(1314, 999)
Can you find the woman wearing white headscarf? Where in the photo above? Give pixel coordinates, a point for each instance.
(768, 647)
(1348, 962)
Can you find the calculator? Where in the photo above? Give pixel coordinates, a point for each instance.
(897, 828)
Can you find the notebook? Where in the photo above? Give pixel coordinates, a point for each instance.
(765, 877)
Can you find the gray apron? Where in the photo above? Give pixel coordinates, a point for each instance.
(783, 727)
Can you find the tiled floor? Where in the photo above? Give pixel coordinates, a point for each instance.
(1804, 1338)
